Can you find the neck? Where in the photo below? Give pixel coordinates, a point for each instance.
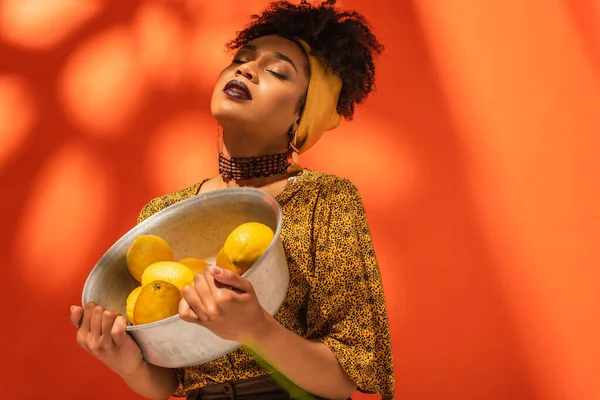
(252, 168)
(258, 183)
(248, 160)
(249, 148)
(273, 185)
(245, 144)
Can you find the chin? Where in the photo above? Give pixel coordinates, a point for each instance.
(227, 111)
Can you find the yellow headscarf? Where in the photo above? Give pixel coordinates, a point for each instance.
(320, 114)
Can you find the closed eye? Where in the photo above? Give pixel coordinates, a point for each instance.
(278, 75)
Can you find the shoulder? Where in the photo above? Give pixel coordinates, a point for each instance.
(160, 203)
(335, 193)
(332, 187)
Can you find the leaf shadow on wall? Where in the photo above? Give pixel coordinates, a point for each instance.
(78, 177)
(453, 336)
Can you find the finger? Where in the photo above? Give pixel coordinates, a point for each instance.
(96, 322)
(230, 278)
(191, 296)
(186, 313)
(117, 331)
(87, 317)
(83, 329)
(219, 291)
(82, 340)
(76, 316)
(206, 293)
(108, 319)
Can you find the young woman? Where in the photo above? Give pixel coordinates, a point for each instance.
(297, 70)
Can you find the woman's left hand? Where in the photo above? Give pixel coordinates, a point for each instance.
(224, 303)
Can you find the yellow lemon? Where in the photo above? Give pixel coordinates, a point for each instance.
(131, 299)
(146, 250)
(168, 271)
(196, 265)
(223, 262)
(247, 243)
(157, 300)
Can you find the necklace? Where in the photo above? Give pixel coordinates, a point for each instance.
(253, 167)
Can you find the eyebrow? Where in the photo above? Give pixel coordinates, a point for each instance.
(277, 55)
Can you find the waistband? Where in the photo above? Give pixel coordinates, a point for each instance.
(262, 387)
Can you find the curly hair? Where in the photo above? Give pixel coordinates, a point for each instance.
(342, 40)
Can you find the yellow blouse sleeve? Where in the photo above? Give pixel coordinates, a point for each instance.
(346, 307)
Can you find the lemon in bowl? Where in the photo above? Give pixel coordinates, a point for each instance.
(168, 271)
(246, 244)
(157, 300)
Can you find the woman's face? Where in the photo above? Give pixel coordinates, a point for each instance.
(257, 95)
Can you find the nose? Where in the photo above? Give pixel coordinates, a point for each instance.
(246, 71)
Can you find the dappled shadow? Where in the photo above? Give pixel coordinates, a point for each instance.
(111, 109)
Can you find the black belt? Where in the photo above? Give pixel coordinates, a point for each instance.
(262, 387)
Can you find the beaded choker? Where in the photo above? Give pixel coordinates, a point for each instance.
(253, 167)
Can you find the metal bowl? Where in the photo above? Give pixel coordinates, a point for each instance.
(195, 227)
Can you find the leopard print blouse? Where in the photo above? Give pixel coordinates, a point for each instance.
(335, 294)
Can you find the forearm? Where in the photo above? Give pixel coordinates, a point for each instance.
(152, 382)
(310, 365)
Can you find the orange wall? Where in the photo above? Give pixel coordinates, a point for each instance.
(477, 160)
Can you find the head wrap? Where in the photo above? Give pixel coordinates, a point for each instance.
(319, 114)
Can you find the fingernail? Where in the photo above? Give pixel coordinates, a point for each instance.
(216, 269)
(72, 308)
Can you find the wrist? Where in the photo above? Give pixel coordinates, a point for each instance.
(132, 370)
(263, 330)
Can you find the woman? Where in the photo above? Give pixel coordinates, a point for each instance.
(297, 70)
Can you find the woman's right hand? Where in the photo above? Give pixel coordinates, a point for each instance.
(102, 333)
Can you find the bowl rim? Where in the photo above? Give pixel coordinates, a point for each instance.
(213, 194)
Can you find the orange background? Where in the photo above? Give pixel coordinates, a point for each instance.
(476, 158)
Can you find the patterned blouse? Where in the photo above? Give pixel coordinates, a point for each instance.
(335, 294)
